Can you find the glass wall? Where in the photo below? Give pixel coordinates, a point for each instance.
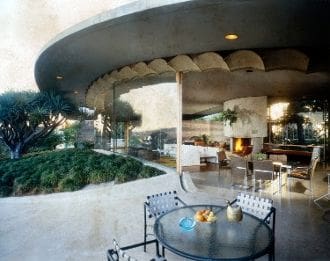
(142, 122)
(300, 122)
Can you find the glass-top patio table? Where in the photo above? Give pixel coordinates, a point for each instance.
(219, 240)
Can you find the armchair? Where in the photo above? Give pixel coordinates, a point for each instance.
(304, 173)
(263, 170)
(239, 171)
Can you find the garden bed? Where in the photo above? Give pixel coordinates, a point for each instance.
(67, 170)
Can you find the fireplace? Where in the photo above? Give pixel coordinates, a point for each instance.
(241, 146)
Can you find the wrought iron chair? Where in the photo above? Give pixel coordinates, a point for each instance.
(156, 205)
(118, 253)
(304, 173)
(262, 208)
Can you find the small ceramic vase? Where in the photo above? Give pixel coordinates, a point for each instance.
(234, 213)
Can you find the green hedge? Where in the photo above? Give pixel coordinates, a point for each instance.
(67, 170)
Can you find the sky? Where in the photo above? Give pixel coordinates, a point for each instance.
(28, 25)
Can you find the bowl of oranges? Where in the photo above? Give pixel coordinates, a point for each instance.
(205, 215)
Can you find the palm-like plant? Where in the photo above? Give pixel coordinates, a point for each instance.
(26, 117)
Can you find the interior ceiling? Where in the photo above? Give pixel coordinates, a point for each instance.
(204, 93)
(143, 31)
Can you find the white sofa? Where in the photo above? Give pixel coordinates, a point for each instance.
(191, 155)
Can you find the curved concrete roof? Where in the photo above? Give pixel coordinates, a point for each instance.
(146, 30)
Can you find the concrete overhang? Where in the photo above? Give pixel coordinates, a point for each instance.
(145, 30)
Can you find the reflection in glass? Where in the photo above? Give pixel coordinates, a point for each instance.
(298, 122)
(142, 122)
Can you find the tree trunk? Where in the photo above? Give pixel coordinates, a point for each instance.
(16, 153)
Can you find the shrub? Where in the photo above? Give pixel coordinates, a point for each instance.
(148, 171)
(48, 143)
(4, 152)
(5, 191)
(129, 170)
(8, 179)
(27, 184)
(86, 145)
(66, 170)
(49, 180)
(79, 178)
(67, 184)
(99, 176)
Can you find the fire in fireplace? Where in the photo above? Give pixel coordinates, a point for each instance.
(241, 146)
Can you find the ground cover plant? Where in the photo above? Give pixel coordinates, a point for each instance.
(67, 170)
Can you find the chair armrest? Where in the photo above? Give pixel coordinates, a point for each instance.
(230, 203)
(271, 212)
(112, 255)
(264, 170)
(181, 201)
(140, 244)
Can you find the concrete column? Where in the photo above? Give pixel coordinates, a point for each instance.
(179, 122)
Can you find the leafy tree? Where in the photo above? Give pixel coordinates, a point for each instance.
(26, 117)
(70, 134)
(48, 143)
(293, 114)
(119, 118)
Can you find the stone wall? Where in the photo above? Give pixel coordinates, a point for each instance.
(212, 129)
(251, 117)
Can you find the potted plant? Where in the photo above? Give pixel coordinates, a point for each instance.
(228, 116)
(205, 139)
(200, 140)
(197, 140)
(259, 156)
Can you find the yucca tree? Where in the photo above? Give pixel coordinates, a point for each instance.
(26, 117)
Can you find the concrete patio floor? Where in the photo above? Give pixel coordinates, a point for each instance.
(81, 225)
(302, 229)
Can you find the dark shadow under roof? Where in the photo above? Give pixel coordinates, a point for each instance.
(143, 31)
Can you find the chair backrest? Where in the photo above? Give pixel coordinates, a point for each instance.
(119, 254)
(279, 157)
(257, 206)
(316, 153)
(161, 203)
(238, 165)
(263, 169)
(221, 155)
(237, 162)
(312, 166)
(247, 150)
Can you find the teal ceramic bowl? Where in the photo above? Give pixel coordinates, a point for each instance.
(187, 223)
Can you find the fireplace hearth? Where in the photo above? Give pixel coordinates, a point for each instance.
(241, 146)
